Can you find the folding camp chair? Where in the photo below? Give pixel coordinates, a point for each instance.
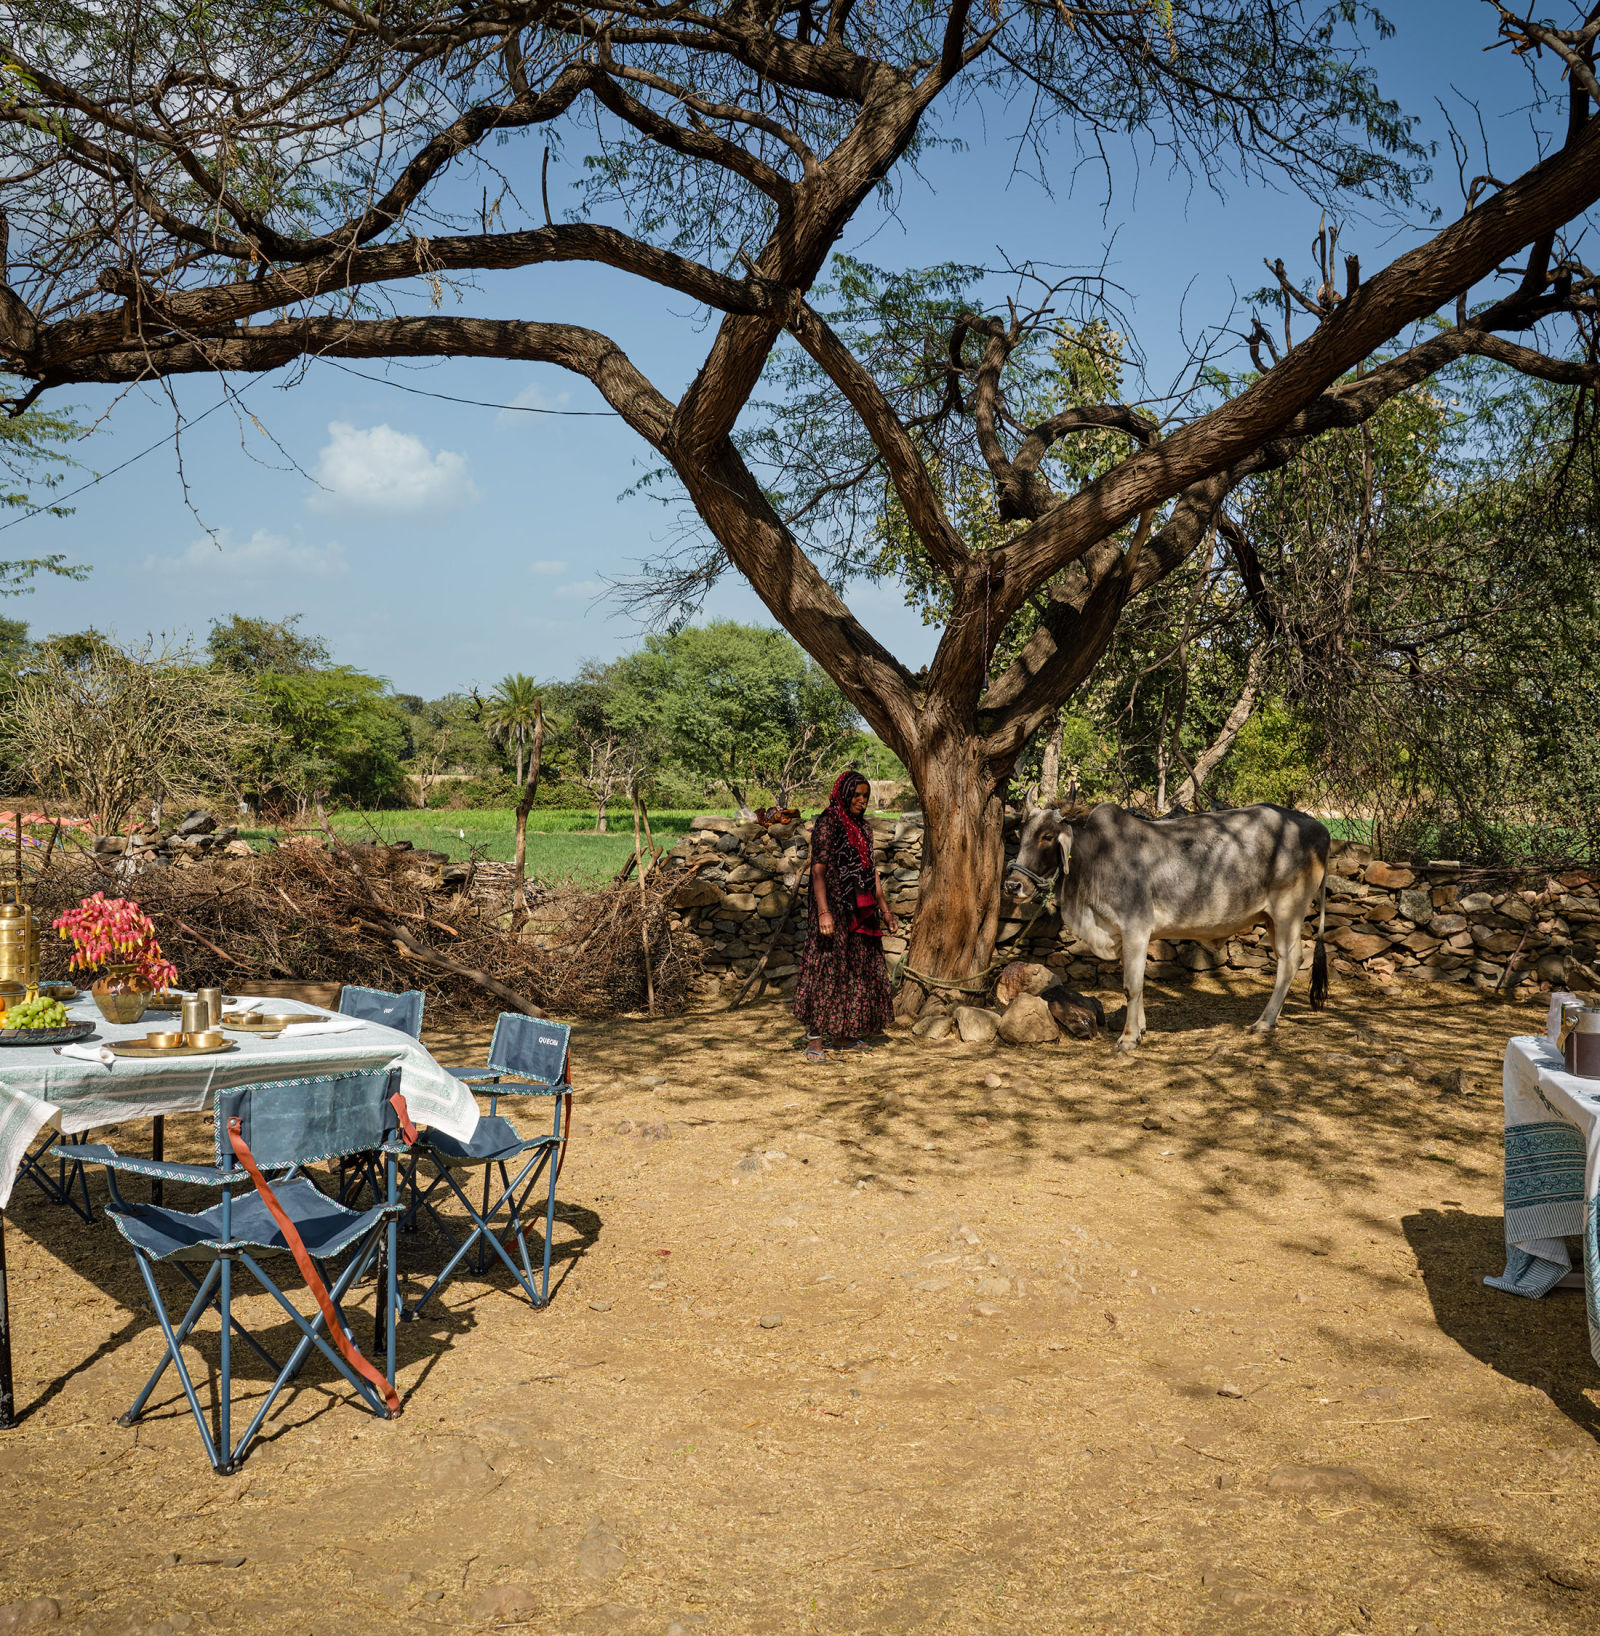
(275, 1127)
(536, 1055)
(69, 1174)
(402, 1011)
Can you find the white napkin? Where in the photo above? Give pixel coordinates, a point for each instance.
(102, 1054)
(324, 1025)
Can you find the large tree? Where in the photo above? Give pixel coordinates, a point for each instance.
(176, 173)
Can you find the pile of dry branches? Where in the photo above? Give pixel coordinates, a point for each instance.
(374, 916)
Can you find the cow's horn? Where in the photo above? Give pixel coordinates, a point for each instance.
(1027, 799)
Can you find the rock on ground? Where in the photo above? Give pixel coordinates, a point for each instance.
(977, 1026)
(601, 1553)
(1022, 977)
(505, 1602)
(1027, 1021)
(19, 1616)
(1080, 1015)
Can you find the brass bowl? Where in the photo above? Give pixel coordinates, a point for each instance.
(207, 1039)
(265, 1022)
(164, 1041)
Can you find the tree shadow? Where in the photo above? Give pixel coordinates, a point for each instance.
(1224, 1125)
(1543, 1344)
(97, 1253)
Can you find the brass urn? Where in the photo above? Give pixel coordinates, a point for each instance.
(19, 941)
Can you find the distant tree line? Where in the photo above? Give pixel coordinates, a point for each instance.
(262, 714)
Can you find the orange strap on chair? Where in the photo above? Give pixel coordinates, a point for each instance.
(308, 1270)
(407, 1129)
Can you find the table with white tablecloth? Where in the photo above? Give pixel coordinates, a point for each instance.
(39, 1088)
(1552, 1176)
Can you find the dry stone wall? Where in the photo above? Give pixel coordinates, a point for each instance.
(1433, 922)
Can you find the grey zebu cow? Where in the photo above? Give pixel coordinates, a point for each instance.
(1121, 880)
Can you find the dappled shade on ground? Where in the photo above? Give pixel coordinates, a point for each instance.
(938, 1338)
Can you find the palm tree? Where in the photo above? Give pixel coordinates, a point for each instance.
(512, 710)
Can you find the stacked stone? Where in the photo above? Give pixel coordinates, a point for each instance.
(738, 880)
(1425, 922)
(193, 837)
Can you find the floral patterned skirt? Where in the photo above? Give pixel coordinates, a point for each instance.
(843, 986)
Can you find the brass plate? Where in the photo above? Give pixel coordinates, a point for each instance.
(138, 1048)
(269, 1022)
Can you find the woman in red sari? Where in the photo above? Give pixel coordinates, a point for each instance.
(843, 988)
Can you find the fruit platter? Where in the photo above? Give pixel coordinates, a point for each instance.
(41, 1021)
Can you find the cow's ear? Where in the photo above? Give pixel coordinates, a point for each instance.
(1064, 846)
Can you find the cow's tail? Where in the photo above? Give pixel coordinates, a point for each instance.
(1319, 959)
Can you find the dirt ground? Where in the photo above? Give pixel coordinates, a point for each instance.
(939, 1338)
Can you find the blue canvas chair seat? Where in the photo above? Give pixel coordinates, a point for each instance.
(528, 1056)
(474, 1076)
(494, 1141)
(326, 1227)
(259, 1128)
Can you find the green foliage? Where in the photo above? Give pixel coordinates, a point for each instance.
(251, 647)
(877, 760)
(1272, 759)
(333, 733)
(511, 713)
(32, 452)
(733, 704)
(335, 736)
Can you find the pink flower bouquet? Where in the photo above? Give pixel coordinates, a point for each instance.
(114, 931)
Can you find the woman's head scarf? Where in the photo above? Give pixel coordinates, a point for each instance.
(838, 804)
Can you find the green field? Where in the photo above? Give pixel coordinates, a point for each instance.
(561, 845)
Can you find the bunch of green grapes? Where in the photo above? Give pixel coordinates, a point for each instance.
(37, 1013)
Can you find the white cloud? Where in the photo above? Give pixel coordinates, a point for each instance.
(380, 469)
(263, 556)
(583, 588)
(532, 396)
(547, 567)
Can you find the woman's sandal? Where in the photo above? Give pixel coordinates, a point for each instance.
(815, 1053)
(856, 1045)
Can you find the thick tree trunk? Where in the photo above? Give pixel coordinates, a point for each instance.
(963, 859)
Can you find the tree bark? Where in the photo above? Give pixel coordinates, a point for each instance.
(1050, 766)
(963, 861)
(519, 862)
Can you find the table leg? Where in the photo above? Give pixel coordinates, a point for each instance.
(158, 1152)
(8, 1417)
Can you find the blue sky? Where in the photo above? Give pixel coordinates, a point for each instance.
(442, 545)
